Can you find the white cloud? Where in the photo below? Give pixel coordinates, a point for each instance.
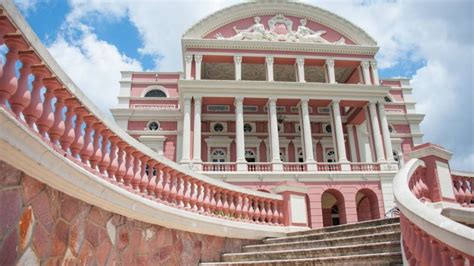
(28, 5)
(437, 33)
(94, 65)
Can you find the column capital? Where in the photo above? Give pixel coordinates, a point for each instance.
(198, 58)
(238, 59)
(238, 100)
(330, 62)
(304, 100)
(373, 64)
(188, 58)
(272, 100)
(365, 64)
(269, 60)
(300, 61)
(336, 102)
(197, 99)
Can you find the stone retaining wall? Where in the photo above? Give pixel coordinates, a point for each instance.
(39, 224)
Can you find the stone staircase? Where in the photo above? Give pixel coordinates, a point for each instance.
(367, 243)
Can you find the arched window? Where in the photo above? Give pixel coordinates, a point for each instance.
(218, 156)
(156, 93)
(250, 156)
(330, 156)
(301, 157)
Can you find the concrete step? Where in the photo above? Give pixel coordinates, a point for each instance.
(348, 226)
(392, 227)
(388, 258)
(360, 249)
(342, 241)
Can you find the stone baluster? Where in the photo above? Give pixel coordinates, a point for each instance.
(34, 110)
(127, 178)
(197, 195)
(173, 175)
(165, 184)
(218, 198)
(96, 152)
(105, 159)
(187, 190)
(238, 205)
(68, 137)
(245, 207)
(8, 80)
(136, 179)
(231, 199)
(225, 203)
(180, 187)
(87, 148)
(113, 166)
(20, 100)
(121, 169)
(46, 120)
(57, 130)
(143, 176)
(445, 256)
(251, 210)
(426, 253)
(160, 181)
(78, 141)
(152, 178)
(206, 198)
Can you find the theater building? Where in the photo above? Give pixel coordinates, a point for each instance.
(280, 92)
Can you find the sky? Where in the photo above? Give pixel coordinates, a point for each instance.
(429, 41)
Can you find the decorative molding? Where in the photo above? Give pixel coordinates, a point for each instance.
(241, 11)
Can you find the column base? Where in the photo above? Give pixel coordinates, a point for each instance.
(277, 166)
(345, 166)
(311, 166)
(197, 165)
(242, 167)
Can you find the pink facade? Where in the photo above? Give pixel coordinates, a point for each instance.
(223, 84)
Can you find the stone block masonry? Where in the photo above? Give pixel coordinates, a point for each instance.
(40, 225)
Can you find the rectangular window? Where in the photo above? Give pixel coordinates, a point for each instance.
(250, 108)
(323, 110)
(218, 108)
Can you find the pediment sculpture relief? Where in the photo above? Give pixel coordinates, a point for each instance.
(280, 28)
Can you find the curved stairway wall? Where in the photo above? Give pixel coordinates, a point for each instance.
(55, 134)
(423, 189)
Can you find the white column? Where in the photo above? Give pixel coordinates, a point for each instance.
(341, 147)
(188, 59)
(300, 66)
(387, 141)
(352, 145)
(275, 141)
(269, 62)
(197, 133)
(239, 134)
(238, 67)
(186, 130)
(307, 137)
(330, 71)
(375, 73)
(365, 72)
(376, 132)
(198, 60)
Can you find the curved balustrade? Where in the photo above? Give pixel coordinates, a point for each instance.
(52, 108)
(463, 188)
(428, 238)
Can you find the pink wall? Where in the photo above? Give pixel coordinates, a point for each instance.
(164, 125)
(67, 231)
(316, 189)
(396, 94)
(138, 89)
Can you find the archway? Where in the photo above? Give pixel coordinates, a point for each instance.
(333, 208)
(367, 205)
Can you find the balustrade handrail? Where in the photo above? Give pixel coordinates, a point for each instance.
(110, 152)
(445, 230)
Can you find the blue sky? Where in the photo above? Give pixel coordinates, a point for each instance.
(430, 42)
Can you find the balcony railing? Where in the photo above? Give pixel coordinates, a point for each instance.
(259, 167)
(295, 167)
(219, 167)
